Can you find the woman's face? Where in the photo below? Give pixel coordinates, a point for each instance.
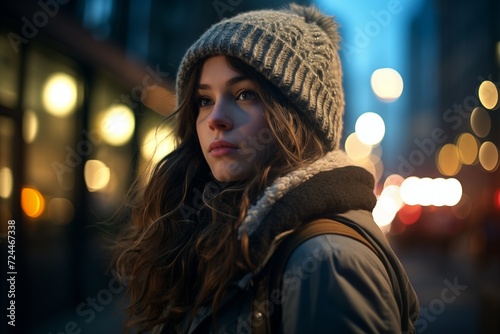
(232, 129)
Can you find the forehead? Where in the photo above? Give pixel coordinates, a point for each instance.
(217, 68)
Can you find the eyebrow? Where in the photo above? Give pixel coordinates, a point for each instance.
(230, 82)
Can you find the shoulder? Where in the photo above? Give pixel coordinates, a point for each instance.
(341, 252)
(340, 262)
(344, 281)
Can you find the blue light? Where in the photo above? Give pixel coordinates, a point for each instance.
(375, 34)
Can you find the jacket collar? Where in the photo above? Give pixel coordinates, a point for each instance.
(328, 186)
(282, 185)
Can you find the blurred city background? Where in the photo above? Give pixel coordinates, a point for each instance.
(85, 83)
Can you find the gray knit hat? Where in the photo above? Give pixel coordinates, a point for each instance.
(296, 49)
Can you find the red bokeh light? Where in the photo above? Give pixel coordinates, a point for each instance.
(497, 198)
(409, 214)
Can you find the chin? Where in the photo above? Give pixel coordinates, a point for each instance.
(229, 173)
(225, 177)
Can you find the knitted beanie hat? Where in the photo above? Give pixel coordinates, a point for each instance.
(296, 49)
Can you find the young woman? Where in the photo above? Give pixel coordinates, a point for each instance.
(258, 124)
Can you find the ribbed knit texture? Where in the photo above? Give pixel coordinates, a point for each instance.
(297, 50)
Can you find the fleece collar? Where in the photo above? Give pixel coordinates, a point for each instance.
(328, 186)
(285, 184)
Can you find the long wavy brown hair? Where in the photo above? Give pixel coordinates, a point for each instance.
(181, 250)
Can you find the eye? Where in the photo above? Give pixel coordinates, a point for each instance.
(203, 101)
(247, 95)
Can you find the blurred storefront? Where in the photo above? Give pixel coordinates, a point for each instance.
(73, 114)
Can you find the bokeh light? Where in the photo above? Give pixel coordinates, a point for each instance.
(370, 128)
(440, 197)
(382, 216)
(391, 198)
(394, 179)
(117, 124)
(409, 190)
(377, 150)
(32, 202)
(488, 94)
(387, 206)
(374, 165)
(387, 84)
(428, 191)
(30, 126)
(427, 195)
(60, 94)
(6, 182)
(468, 148)
(355, 149)
(480, 122)
(409, 214)
(451, 192)
(488, 156)
(97, 175)
(157, 143)
(497, 198)
(448, 160)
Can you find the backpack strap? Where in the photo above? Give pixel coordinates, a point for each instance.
(266, 305)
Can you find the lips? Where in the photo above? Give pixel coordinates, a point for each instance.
(221, 147)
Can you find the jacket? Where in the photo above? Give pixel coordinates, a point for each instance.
(332, 283)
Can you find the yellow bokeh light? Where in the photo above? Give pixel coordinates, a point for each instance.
(488, 156)
(448, 160)
(387, 84)
(355, 149)
(488, 94)
(97, 175)
(379, 167)
(117, 124)
(374, 165)
(32, 202)
(157, 143)
(370, 128)
(467, 148)
(6, 182)
(377, 151)
(60, 94)
(480, 122)
(30, 126)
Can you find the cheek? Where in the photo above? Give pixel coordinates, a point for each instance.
(259, 121)
(263, 132)
(199, 132)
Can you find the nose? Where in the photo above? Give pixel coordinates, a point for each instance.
(220, 118)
